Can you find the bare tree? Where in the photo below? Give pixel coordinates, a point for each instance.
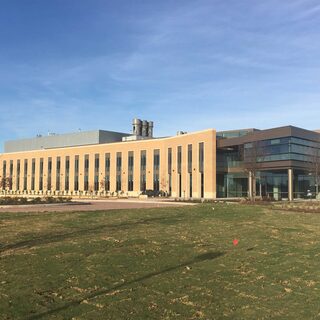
(5, 183)
(252, 155)
(102, 184)
(315, 169)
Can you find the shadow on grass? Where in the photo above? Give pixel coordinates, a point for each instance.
(53, 238)
(203, 257)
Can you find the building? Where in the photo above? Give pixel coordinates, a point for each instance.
(277, 163)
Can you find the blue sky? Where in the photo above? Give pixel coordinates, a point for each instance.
(186, 65)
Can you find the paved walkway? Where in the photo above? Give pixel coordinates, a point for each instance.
(93, 205)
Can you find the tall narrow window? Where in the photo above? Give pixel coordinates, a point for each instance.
(4, 168)
(118, 173)
(49, 181)
(156, 165)
(40, 174)
(76, 173)
(130, 170)
(143, 165)
(179, 160)
(96, 171)
(190, 168)
(170, 170)
(86, 172)
(67, 173)
(201, 168)
(201, 156)
(18, 175)
(58, 173)
(4, 174)
(33, 173)
(10, 174)
(25, 175)
(107, 172)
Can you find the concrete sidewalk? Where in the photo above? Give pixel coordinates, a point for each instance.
(92, 205)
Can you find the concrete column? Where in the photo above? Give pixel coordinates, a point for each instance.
(149, 169)
(113, 171)
(81, 171)
(290, 184)
(54, 173)
(62, 172)
(71, 172)
(124, 173)
(174, 183)
(250, 185)
(136, 171)
(91, 171)
(37, 174)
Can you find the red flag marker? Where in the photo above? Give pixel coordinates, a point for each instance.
(235, 242)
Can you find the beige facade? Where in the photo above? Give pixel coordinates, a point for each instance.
(190, 174)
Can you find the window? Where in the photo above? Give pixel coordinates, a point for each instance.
(169, 160)
(107, 172)
(118, 172)
(49, 173)
(201, 157)
(67, 172)
(156, 165)
(96, 172)
(76, 173)
(143, 162)
(10, 175)
(33, 173)
(58, 173)
(170, 170)
(190, 158)
(86, 173)
(40, 174)
(130, 170)
(179, 159)
(18, 175)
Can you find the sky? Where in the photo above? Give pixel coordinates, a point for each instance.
(187, 65)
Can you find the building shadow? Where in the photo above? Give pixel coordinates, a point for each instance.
(57, 237)
(198, 259)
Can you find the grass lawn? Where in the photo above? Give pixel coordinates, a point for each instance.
(166, 263)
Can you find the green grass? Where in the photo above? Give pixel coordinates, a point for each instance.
(167, 263)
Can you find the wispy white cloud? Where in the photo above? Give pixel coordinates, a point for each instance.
(206, 63)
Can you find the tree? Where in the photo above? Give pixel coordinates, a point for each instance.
(5, 183)
(315, 169)
(252, 155)
(102, 184)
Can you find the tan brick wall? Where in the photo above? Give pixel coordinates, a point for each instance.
(208, 137)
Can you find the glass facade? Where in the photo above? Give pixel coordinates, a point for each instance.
(264, 159)
(288, 148)
(230, 185)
